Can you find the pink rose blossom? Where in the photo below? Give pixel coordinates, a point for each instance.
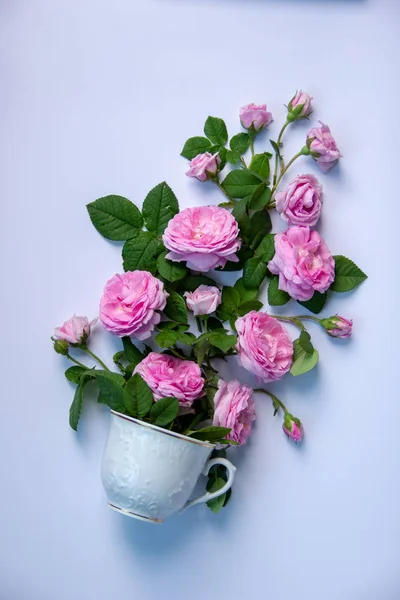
(300, 203)
(303, 262)
(255, 115)
(264, 346)
(235, 409)
(204, 300)
(170, 376)
(337, 326)
(204, 166)
(323, 147)
(74, 331)
(205, 237)
(300, 106)
(293, 428)
(129, 304)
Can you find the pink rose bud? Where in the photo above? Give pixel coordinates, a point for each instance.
(264, 346)
(235, 409)
(255, 116)
(293, 428)
(337, 326)
(204, 166)
(75, 331)
(303, 262)
(204, 300)
(130, 303)
(170, 376)
(322, 147)
(301, 202)
(300, 106)
(204, 237)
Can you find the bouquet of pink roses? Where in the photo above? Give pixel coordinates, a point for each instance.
(169, 376)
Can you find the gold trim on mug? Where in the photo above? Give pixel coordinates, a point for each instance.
(184, 438)
(134, 515)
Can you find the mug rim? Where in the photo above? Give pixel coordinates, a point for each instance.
(180, 436)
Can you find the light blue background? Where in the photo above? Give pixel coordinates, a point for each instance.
(98, 97)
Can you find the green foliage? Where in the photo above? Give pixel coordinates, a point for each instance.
(115, 217)
(215, 130)
(246, 307)
(260, 165)
(347, 275)
(176, 308)
(276, 297)
(210, 434)
(132, 354)
(112, 392)
(305, 356)
(240, 143)
(230, 300)
(171, 271)
(164, 411)
(137, 397)
(74, 373)
(240, 183)
(260, 226)
(254, 272)
(141, 252)
(76, 406)
(192, 282)
(222, 340)
(316, 303)
(266, 249)
(260, 197)
(194, 146)
(246, 294)
(159, 206)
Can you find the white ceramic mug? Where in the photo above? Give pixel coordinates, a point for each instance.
(149, 473)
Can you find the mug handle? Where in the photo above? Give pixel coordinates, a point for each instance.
(211, 495)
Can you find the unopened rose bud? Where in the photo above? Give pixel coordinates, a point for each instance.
(61, 347)
(322, 147)
(255, 116)
(300, 106)
(337, 326)
(204, 166)
(293, 428)
(204, 300)
(75, 331)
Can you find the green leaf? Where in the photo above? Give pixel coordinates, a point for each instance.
(260, 164)
(246, 295)
(215, 130)
(223, 341)
(240, 143)
(164, 411)
(213, 323)
(166, 338)
(115, 217)
(76, 406)
(186, 338)
(316, 303)
(241, 215)
(194, 146)
(276, 297)
(303, 361)
(132, 354)
(243, 255)
(260, 226)
(171, 271)
(138, 397)
(246, 307)
(191, 283)
(222, 154)
(230, 300)
(266, 248)
(260, 198)
(347, 275)
(74, 373)
(275, 147)
(254, 272)
(141, 252)
(176, 308)
(216, 503)
(233, 157)
(305, 342)
(240, 183)
(159, 206)
(112, 393)
(210, 434)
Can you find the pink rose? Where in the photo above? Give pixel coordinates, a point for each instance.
(129, 304)
(235, 409)
(205, 237)
(75, 331)
(170, 376)
(204, 166)
(303, 262)
(204, 300)
(323, 147)
(337, 326)
(300, 106)
(300, 203)
(255, 115)
(264, 346)
(293, 428)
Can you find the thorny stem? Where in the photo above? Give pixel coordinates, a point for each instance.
(251, 145)
(76, 361)
(217, 183)
(291, 161)
(275, 401)
(176, 353)
(95, 357)
(294, 320)
(278, 157)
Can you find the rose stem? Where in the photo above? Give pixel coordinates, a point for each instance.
(291, 161)
(217, 183)
(293, 320)
(278, 154)
(275, 401)
(93, 355)
(76, 361)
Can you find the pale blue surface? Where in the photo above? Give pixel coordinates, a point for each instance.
(98, 97)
